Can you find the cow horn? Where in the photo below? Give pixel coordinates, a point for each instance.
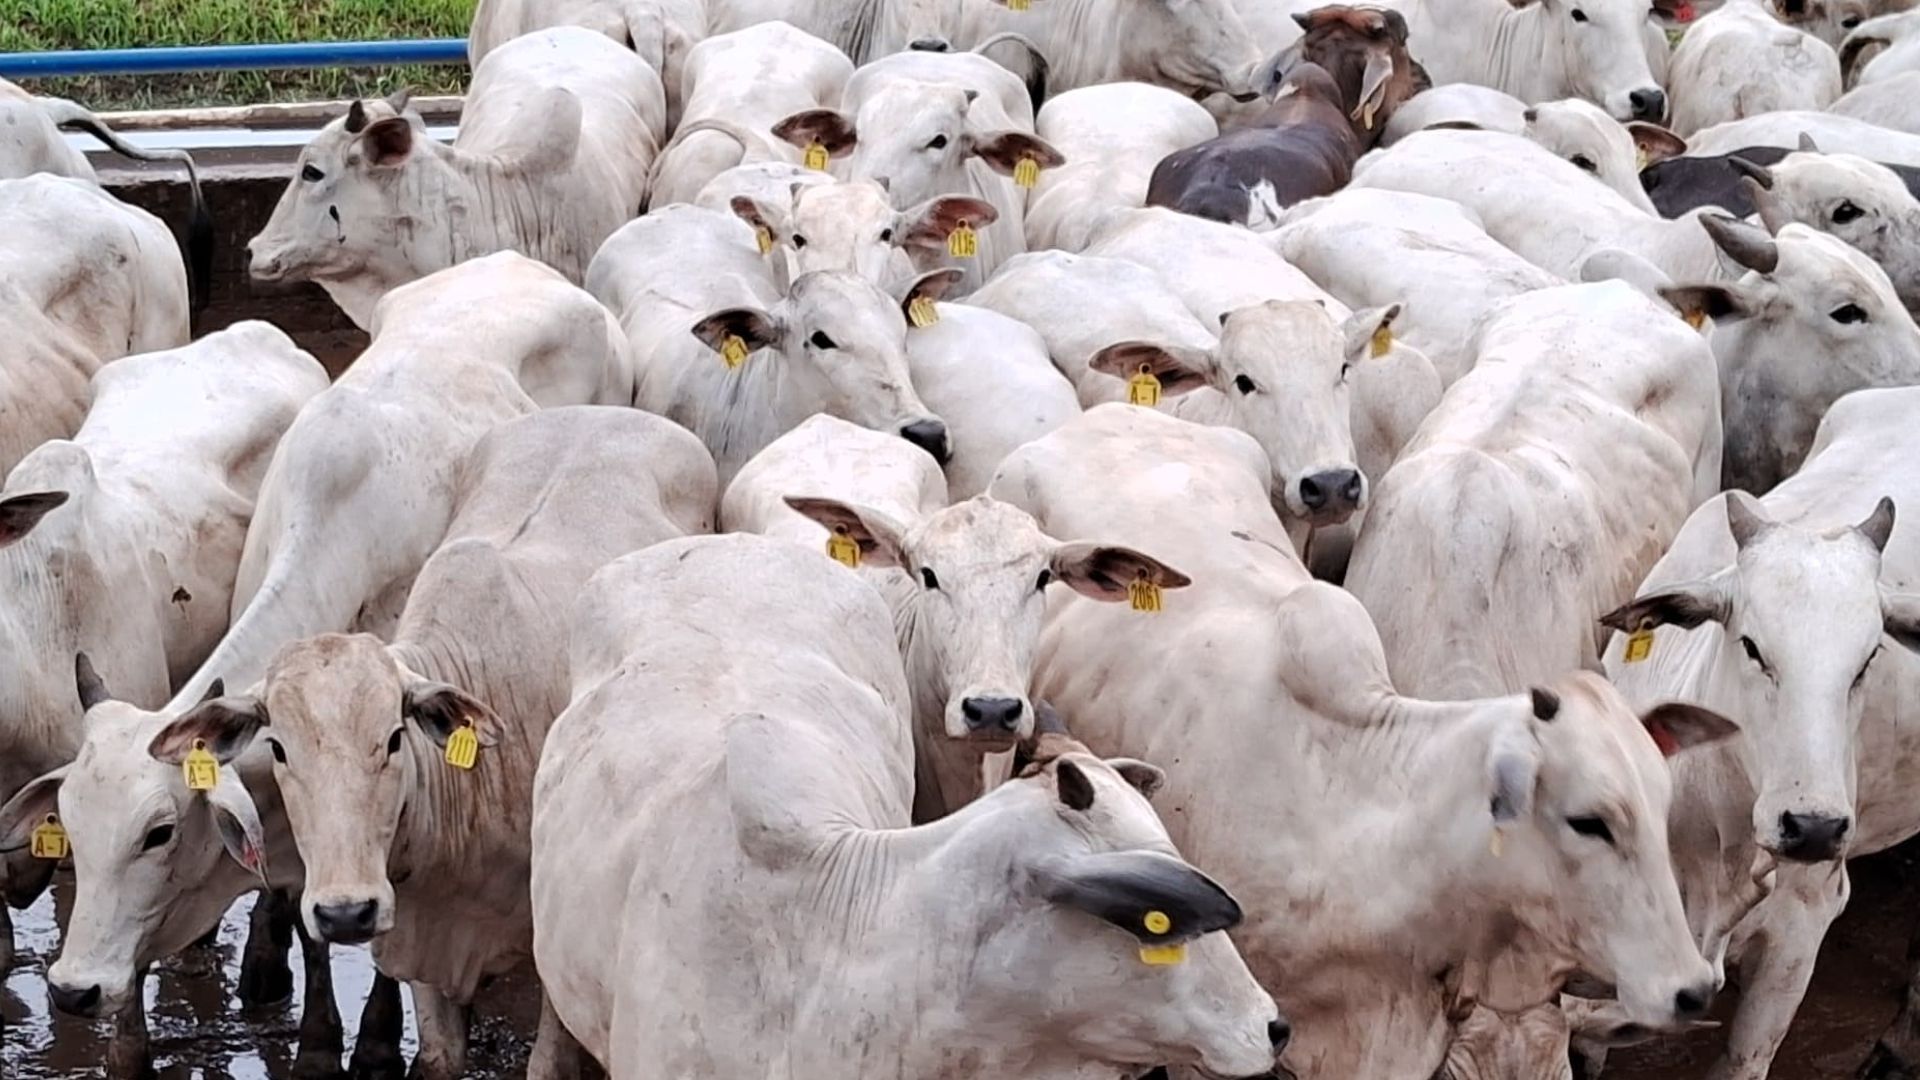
(1744, 520)
(87, 682)
(1759, 174)
(1743, 243)
(1807, 145)
(215, 689)
(1772, 215)
(399, 99)
(356, 118)
(1879, 525)
(1546, 703)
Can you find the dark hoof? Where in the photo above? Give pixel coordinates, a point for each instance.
(317, 1065)
(381, 1064)
(264, 985)
(1884, 1064)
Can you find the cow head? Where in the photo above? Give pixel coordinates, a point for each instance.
(1602, 48)
(854, 227)
(1802, 623)
(1862, 202)
(351, 732)
(1365, 50)
(1579, 793)
(1283, 367)
(155, 864)
(918, 136)
(1198, 47)
(847, 339)
(1614, 153)
(981, 569)
(1806, 294)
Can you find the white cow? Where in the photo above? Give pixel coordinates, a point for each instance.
(1831, 132)
(559, 130)
(1790, 612)
(1546, 209)
(1742, 61)
(1881, 48)
(853, 226)
(727, 356)
(1371, 247)
(661, 31)
(864, 31)
(1196, 47)
(1862, 202)
(1805, 294)
(431, 864)
(1892, 103)
(84, 279)
(737, 86)
(1540, 490)
(360, 491)
(1458, 105)
(1112, 137)
(745, 691)
(967, 585)
(124, 541)
(1457, 851)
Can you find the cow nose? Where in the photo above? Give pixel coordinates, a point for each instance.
(1812, 837)
(992, 715)
(929, 435)
(929, 44)
(1648, 104)
(1693, 1002)
(1332, 492)
(346, 924)
(1279, 1033)
(84, 1001)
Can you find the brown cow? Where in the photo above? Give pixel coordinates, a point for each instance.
(1365, 50)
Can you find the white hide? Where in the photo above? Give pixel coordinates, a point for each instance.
(1832, 133)
(1892, 103)
(1742, 61)
(661, 31)
(1194, 47)
(1112, 137)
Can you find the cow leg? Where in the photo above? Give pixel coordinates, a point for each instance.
(1897, 1054)
(128, 1055)
(1778, 964)
(265, 978)
(321, 1040)
(6, 939)
(556, 1054)
(376, 1052)
(443, 1035)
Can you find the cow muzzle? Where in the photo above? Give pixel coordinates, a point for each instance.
(931, 436)
(1329, 497)
(1811, 838)
(347, 922)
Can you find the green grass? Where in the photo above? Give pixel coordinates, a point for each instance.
(35, 25)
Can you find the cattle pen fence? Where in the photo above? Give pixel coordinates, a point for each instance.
(176, 60)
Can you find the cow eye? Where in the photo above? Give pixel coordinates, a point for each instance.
(1579, 16)
(279, 752)
(158, 836)
(928, 579)
(1046, 579)
(1585, 163)
(1591, 826)
(1846, 212)
(1244, 384)
(820, 340)
(393, 741)
(939, 142)
(1753, 653)
(312, 175)
(886, 236)
(799, 241)
(1849, 22)
(1848, 313)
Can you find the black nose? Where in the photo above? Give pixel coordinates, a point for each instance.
(1812, 837)
(992, 715)
(1331, 492)
(1279, 1033)
(929, 44)
(84, 1001)
(929, 435)
(1648, 104)
(346, 924)
(1692, 1003)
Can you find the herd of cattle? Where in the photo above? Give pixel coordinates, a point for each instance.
(804, 444)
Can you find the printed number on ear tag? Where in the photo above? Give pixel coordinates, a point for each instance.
(843, 549)
(1143, 595)
(963, 242)
(50, 839)
(1027, 173)
(1019, 5)
(733, 351)
(763, 237)
(463, 747)
(1640, 644)
(921, 312)
(1381, 342)
(816, 157)
(1143, 389)
(1163, 955)
(201, 768)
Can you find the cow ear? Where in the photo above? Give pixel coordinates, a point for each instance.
(749, 210)
(882, 540)
(1157, 898)
(238, 820)
(1103, 571)
(440, 709)
(1900, 618)
(1361, 326)
(389, 141)
(1178, 368)
(1004, 150)
(225, 724)
(1726, 302)
(756, 328)
(1677, 726)
(932, 285)
(1685, 606)
(20, 513)
(928, 225)
(832, 129)
(28, 808)
(1145, 778)
(1513, 769)
(1654, 142)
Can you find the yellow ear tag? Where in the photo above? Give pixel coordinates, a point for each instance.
(50, 839)
(1143, 389)
(733, 351)
(763, 237)
(1157, 922)
(201, 768)
(1019, 5)
(1163, 955)
(815, 156)
(1640, 644)
(843, 549)
(1381, 342)
(922, 313)
(963, 242)
(1640, 159)
(1143, 595)
(463, 747)
(1027, 173)
(1695, 318)
(1497, 845)
(1366, 116)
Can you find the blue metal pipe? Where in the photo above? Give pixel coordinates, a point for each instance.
(170, 61)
